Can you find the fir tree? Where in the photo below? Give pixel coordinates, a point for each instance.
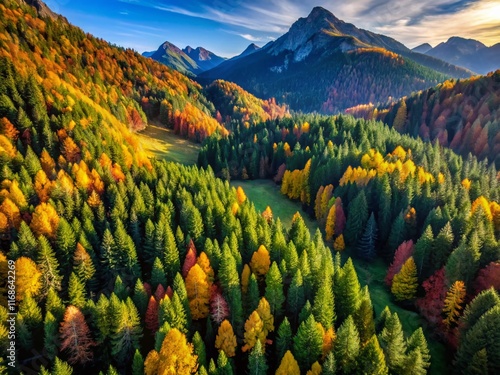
(307, 343)
(257, 360)
(358, 214)
(371, 359)
(347, 345)
(366, 244)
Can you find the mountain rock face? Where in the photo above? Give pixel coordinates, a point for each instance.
(343, 66)
(190, 61)
(423, 48)
(248, 51)
(42, 9)
(468, 53)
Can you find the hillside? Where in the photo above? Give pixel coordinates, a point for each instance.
(344, 65)
(463, 115)
(130, 265)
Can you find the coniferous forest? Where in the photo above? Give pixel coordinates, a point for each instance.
(128, 264)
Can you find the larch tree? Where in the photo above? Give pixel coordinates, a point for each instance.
(405, 282)
(175, 356)
(288, 365)
(260, 262)
(453, 303)
(226, 339)
(27, 278)
(254, 330)
(75, 336)
(198, 290)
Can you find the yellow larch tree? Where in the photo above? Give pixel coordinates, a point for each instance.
(453, 303)
(226, 339)
(315, 369)
(253, 331)
(204, 264)
(176, 356)
(45, 220)
(288, 365)
(240, 195)
(268, 214)
(245, 278)
(27, 278)
(264, 311)
(484, 204)
(198, 291)
(339, 244)
(260, 262)
(330, 223)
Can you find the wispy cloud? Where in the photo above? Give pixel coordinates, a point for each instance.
(250, 37)
(409, 21)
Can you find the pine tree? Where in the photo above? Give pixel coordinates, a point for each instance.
(479, 363)
(223, 365)
(324, 305)
(76, 291)
(283, 339)
(423, 249)
(50, 339)
(330, 365)
(366, 244)
(483, 302)
(393, 344)
(371, 359)
(158, 274)
(442, 247)
(347, 345)
(347, 290)
(358, 214)
(137, 363)
(463, 263)
(274, 291)
(417, 341)
(125, 339)
(48, 265)
(200, 349)
(257, 360)
(396, 236)
(140, 297)
(308, 343)
(363, 317)
(405, 282)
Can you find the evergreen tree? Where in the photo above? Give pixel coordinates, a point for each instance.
(347, 290)
(76, 291)
(478, 364)
(417, 341)
(347, 345)
(366, 244)
(137, 363)
(324, 305)
(274, 290)
(396, 236)
(356, 219)
(405, 282)
(393, 343)
(283, 339)
(158, 274)
(140, 297)
(423, 249)
(307, 343)
(363, 317)
(257, 360)
(371, 359)
(50, 339)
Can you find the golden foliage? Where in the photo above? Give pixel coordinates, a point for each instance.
(483, 203)
(44, 220)
(254, 330)
(453, 303)
(261, 261)
(198, 291)
(226, 339)
(288, 365)
(240, 195)
(27, 278)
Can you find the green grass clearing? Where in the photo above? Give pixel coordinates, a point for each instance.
(165, 145)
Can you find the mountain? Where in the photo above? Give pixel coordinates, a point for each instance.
(190, 61)
(249, 50)
(423, 48)
(204, 59)
(344, 66)
(463, 115)
(41, 8)
(468, 53)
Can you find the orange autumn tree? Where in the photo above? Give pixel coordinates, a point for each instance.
(198, 291)
(176, 356)
(260, 261)
(226, 339)
(453, 303)
(11, 213)
(27, 278)
(204, 264)
(339, 243)
(75, 336)
(264, 311)
(268, 214)
(240, 195)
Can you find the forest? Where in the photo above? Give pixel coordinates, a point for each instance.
(126, 264)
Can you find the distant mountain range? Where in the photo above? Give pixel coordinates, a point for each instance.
(469, 53)
(325, 64)
(191, 61)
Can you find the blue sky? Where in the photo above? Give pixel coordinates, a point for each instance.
(227, 27)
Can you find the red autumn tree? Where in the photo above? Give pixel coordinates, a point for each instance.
(75, 336)
(488, 277)
(159, 293)
(152, 315)
(219, 309)
(339, 217)
(432, 303)
(189, 261)
(403, 252)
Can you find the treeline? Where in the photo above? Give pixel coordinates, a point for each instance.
(461, 114)
(431, 214)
